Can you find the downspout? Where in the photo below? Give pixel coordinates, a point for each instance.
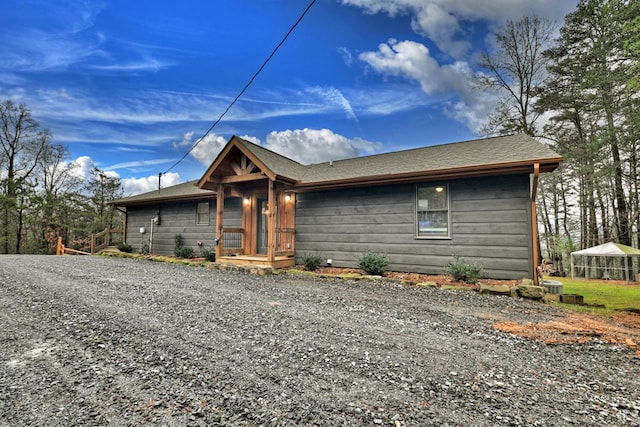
(151, 236)
(534, 222)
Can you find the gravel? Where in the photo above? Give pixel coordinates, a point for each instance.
(107, 341)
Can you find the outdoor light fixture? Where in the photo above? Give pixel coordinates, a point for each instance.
(246, 200)
(439, 189)
(287, 197)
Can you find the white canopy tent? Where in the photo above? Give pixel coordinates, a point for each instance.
(608, 250)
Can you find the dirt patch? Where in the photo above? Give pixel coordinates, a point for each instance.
(622, 328)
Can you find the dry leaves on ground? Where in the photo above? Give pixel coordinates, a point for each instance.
(622, 328)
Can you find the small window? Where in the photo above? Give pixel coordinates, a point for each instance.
(432, 202)
(202, 213)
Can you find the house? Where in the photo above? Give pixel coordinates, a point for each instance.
(420, 207)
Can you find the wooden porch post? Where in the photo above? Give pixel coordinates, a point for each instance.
(219, 219)
(271, 224)
(248, 227)
(534, 223)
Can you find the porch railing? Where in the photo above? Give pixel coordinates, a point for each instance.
(101, 240)
(232, 241)
(233, 238)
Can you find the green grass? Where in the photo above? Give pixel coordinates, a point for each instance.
(614, 296)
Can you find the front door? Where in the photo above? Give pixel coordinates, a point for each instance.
(262, 225)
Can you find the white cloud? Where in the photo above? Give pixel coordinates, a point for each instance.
(448, 23)
(251, 139)
(138, 164)
(303, 145)
(441, 26)
(53, 46)
(206, 150)
(133, 186)
(309, 146)
(346, 55)
(442, 21)
(413, 61)
(84, 165)
(147, 64)
(334, 97)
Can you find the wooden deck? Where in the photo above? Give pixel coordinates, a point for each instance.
(258, 260)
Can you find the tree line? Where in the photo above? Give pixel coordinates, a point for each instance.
(42, 194)
(579, 92)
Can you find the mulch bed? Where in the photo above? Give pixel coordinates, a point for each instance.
(440, 280)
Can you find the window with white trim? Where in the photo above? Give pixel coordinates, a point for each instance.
(432, 215)
(202, 213)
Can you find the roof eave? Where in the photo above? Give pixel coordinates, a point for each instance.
(546, 165)
(161, 199)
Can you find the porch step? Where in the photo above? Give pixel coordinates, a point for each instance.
(260, 270)
(110, 250)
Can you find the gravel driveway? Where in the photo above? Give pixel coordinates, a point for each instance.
(106, 341)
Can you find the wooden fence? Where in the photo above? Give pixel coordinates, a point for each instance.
(99, 242)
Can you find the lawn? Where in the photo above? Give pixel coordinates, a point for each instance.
(615, 295)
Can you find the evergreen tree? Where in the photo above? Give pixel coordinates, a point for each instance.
(589, 97)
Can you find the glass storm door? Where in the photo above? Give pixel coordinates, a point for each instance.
(262, 226)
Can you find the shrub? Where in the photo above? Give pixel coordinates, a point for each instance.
(181, 251)
(373, 263)
(312, 261)
(184, 252)
(463, 271)
(209, 255)
(178, 244)
(125, 247)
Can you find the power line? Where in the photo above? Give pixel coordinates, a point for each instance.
(246, 86)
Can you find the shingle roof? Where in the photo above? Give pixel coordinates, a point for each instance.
(489, 154)
(276, 163)
(186, 190)
(468, 154)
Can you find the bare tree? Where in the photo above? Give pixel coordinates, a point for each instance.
(56, 200)
(22, 142)
(514, 71)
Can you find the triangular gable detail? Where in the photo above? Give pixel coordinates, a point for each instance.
(247, 164)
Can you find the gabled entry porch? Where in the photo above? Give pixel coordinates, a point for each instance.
(267, 233)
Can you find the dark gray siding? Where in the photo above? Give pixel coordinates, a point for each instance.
(178, 218)
(489, 225)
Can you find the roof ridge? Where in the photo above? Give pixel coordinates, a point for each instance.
(409, 150)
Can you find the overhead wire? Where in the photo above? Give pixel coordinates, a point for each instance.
(244, 89)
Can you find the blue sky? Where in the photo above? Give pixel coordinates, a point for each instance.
(129, 86)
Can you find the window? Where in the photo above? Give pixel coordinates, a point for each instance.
(202, 213)
(432, 203)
